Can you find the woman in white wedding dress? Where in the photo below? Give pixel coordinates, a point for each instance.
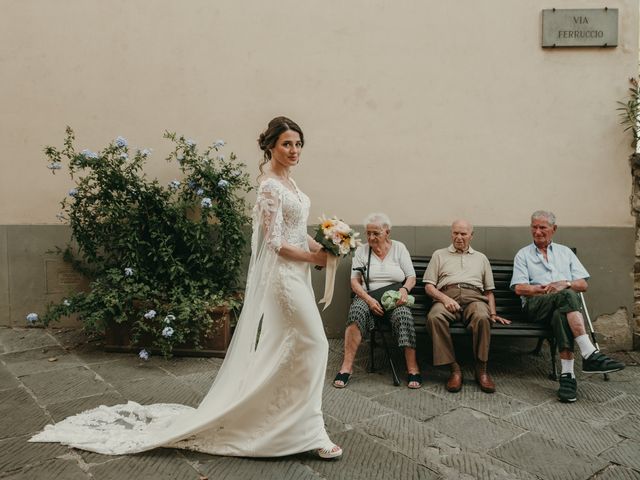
(267, 397)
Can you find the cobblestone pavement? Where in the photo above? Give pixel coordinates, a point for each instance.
(387, 432)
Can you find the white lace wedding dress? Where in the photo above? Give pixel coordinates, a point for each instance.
(266, 398)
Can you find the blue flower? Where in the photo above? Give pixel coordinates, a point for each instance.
(206, 202)
(150, 314)
(220, 158)
(146, 152)
(192, 184)
(66, 303)
(174, 184)
(144, 355)
(169, 318)
(124, 156)
(200, 192)
(73, 192)
(167, 332)
(190, 143)
(32, 318)
(180, 159)
(54, 166)
(128, 272)
(223, 183)
(89, 154)
(218, 144)
(121, 142)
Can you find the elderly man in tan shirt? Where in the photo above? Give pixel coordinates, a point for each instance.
(460, 282)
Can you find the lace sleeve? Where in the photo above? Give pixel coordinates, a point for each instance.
(269, 213)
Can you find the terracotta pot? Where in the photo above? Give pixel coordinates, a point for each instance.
(214, 343)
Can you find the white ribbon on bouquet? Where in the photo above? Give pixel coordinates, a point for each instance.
(329, 280)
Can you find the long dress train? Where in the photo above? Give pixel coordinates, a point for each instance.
(266, 398)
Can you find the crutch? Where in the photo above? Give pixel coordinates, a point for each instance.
(377, 320)
(591, 330)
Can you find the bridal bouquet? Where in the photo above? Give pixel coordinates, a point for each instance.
(339, 239)
(336, 237)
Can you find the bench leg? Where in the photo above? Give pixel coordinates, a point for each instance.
(536, 351)
(554, 366)
(396, 381)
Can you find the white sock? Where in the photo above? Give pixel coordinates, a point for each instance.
(585, 345)
(567, 367)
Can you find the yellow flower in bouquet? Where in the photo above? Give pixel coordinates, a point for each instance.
(336, 236)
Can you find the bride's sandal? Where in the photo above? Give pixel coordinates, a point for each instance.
(328, 453)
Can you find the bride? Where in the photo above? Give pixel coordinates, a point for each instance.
(266, 400)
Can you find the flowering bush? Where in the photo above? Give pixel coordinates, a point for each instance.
(161, 257)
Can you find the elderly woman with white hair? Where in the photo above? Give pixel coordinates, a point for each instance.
(379, 264)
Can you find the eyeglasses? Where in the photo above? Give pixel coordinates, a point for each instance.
(376, 234)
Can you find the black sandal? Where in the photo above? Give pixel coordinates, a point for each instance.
(341, 377)
(414, 377)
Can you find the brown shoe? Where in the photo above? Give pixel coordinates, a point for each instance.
(484, 379)
(454, 384)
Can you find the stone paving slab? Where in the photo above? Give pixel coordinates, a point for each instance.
(567, 430)
(17, 453)
(19, 414)
(524, 389)
(626, 453)
(93, 357)
(628, 403)
(483, 467)
(495, 404)
(627, 381)
(548, 459)
(61, 385)
(474, 430)
(129, 368)
(597, 391)
(39, 360)
(57, 469)
(159, 390)
(349, 407)
(230, 468)
(60, 411)
(179, 366)
(593, 413)
(159, 464)
(17, 340)
(419, 404)
(200, 382)
(408, 436)
(367, 384)
(333, 425)
(616, 472)
(628, 427)
(368, 460)
(7, 379)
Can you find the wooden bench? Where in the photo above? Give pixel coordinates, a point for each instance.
(508, 305)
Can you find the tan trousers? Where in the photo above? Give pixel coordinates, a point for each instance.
(475, 315)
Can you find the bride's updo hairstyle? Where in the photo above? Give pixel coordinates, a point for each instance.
(269, 137)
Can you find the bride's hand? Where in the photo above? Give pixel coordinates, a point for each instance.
(320, 258)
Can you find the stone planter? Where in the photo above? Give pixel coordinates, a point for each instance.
(214, 343)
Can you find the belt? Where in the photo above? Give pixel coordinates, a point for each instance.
(462, 285)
